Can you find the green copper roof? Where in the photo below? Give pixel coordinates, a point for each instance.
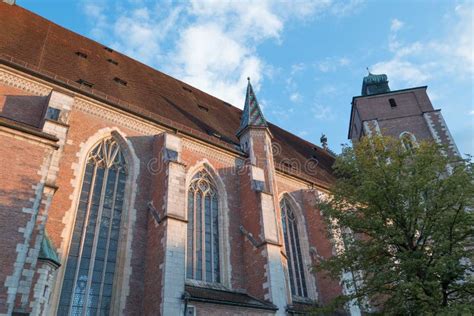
(374, 84)
(47, 251)
(252, 114)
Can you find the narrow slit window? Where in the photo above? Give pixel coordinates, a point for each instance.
(392, 102)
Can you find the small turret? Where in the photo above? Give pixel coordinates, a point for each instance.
(374, 84)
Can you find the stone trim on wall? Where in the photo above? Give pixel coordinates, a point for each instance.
(43, 288)
(116, 117)
(370, 127)
(436, 118)
(20, 82)
(25, 254)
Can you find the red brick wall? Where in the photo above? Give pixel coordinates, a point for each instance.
(154, 246)
(254, 259)
(406, 116)
(328, 288)
(411, 102)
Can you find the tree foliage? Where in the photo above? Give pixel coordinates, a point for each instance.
(405, 218)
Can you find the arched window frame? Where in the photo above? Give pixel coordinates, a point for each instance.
(223, 219)
(124, 250)
(407, 136)
(312, 294)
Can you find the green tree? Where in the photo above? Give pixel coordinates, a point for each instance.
(405, 218)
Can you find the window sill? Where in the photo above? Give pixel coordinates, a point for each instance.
(304, 300)
(205, 284)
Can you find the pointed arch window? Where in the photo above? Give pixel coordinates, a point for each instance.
(203, 230)
(91, 263)
(293, 250)
(408, 141)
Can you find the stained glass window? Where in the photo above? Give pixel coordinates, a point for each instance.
(293, 250)
(91, 263)
(203, 230)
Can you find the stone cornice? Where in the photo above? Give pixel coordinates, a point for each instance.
(115, 116)
(23, 83)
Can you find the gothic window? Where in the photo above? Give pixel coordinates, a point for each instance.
(91, 263)
(408, 140)
(203, 230)
(293, 250)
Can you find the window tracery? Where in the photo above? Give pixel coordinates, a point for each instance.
(91, 264)
(203, 230)
(293, 250)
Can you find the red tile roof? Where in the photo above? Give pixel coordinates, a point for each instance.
(59, 54)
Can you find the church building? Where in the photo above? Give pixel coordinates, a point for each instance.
(124, 191)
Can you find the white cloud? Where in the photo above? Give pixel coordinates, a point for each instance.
(297, 68)
(321, 112)
(404, 71)
(330, 64)
(396, 25)
(201, 61)
(210, 44)
(328, 89)
(281, 113)
(471, 113)
(416, 62)
(295, 97)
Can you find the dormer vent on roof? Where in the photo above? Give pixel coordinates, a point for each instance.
(187, 89)
(203, 108)
(120, 81)
(83, 82)
(81, 54)
(114, 62)
(110, 50)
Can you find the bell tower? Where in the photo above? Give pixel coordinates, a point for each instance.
(406, 113)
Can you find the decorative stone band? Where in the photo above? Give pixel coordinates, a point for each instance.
(16, 81)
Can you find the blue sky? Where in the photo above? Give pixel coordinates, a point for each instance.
(306, 59)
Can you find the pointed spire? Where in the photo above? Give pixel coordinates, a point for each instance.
(252, 114)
